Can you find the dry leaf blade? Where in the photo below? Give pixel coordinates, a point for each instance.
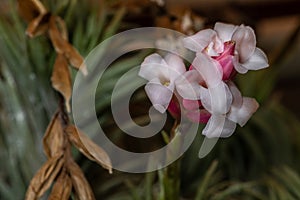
(62, 187)
(43, 179)
(56, 37)
(38, 25)
(75, 59)
(30, 9)
(82, 188)
(61, 79)
(53, 140)
(62, 46)
(86, 146)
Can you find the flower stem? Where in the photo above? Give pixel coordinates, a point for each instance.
(170, 182)
(169, 177)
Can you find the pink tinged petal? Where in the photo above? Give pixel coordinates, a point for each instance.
(175, 65)
(227, 66)
(188, 86)
(226, 60)
(243, 113)
(204, 116)
(159, 95)
(198, 116)
(191, 104)
(218, 99)
(209, 69)
(174, 108)
(257, 61)
(219, 126)
(153, 66)
(201, 40)
(245, 40)
(229, 48)
(225, 31)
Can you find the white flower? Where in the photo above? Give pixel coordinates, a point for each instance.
(161, 74)
(204, 79)
(207, 94)
(240, 111)
(246, 55)
(222, 100)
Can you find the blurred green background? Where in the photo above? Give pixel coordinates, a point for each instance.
(260, 161)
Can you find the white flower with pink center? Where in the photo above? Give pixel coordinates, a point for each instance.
(245, 55)
(206, 93)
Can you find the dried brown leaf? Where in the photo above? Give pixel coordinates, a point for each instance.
(62, 187)
(43, 179)
(61, 79)
(62, 46)
(56, 37)
(86, 146)
(38, 25)
(53, 140)
(180, 18)
(82, 188)
(75, 59)
(30, 9)
(61, 25)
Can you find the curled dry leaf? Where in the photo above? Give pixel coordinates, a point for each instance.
(43, 179)
(61, 25)
(75, 59)
(38, 25)
(30, 9)
(54, 137)
(61, 79)
(62, 46)
(82, 188)
(56, 37)
(62, 187)
(36, 15)
(88, 147)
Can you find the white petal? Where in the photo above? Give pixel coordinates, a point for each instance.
(238, 66)
(245, 40)
(257, 61)
(209, 69)
(237, 98)
(154, 59)
(211, 50)
(188, 86)
(200, 40)
(175, 65)
(159, 95)
(219, 126)
(243, 113)
(153, 66)
(205, 98)
(215, 47)
(216, 100)
(225, 31)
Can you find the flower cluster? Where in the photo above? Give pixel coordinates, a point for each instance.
(205, 93)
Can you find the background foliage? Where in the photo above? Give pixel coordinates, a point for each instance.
(260, 161)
